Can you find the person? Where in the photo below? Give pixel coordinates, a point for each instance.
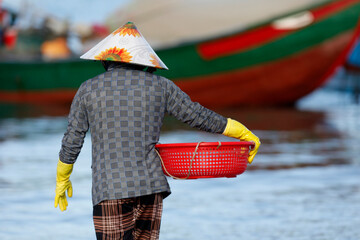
(124, 110)
(352, 71)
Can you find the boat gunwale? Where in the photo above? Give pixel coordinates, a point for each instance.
(245, 29)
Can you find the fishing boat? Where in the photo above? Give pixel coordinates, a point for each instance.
(273, 62)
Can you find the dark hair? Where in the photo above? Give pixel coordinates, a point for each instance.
(151, 69)
(112, 64)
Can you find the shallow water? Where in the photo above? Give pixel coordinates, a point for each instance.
(303, 184)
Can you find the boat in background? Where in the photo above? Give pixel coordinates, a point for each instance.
(275, 62)
(168, 23)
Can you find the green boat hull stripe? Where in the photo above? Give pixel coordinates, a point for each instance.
(181, 60)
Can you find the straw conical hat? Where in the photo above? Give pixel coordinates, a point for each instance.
(125, 44)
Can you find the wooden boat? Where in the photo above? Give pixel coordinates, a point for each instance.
(272, 63)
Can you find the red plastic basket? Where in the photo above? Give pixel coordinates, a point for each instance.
(204, 159)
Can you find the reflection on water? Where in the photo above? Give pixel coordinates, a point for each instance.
(304, 183)
(294, 138)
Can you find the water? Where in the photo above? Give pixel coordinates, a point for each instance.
(304, 183)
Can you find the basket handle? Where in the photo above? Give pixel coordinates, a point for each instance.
(191, 162)
(252, 145)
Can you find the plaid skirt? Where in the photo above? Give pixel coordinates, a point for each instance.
(129, 219)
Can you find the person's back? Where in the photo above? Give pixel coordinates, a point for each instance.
(125, 109)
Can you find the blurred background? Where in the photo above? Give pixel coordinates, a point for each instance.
(288, 70)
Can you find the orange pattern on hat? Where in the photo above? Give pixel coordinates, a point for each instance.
(114, 54)
(129, 29)
(154, 60)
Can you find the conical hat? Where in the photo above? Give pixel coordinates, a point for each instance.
(125, 44)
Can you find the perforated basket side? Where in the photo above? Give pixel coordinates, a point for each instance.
(209, 161)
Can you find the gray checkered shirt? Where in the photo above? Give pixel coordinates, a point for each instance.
(124, 110)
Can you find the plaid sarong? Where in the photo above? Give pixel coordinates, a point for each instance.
(129, 219)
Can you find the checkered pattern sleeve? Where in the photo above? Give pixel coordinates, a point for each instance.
(78, 125)
(192, 113)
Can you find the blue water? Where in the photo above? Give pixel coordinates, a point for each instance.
(304, 183)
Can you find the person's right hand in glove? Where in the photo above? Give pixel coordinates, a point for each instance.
(237, 130)
(63, 184)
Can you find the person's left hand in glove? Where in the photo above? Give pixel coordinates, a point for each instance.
(237, 130)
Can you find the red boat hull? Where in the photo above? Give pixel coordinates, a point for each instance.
(273, 83)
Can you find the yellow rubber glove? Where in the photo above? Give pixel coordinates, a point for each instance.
(237, 130)
(63, 183)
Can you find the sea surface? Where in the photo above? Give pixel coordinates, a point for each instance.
(304, 184)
